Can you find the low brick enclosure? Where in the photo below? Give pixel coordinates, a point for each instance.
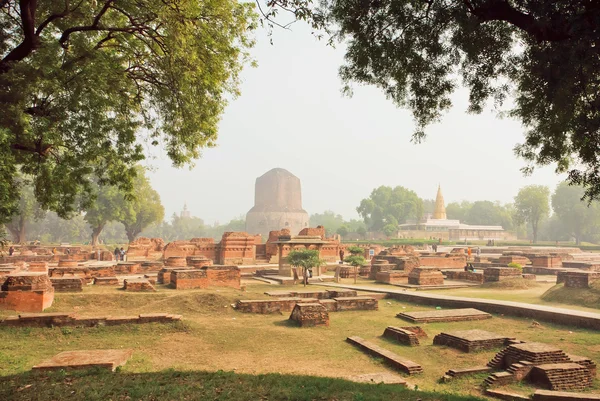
(26, 292)
(536, 353)
(545, 260)
(426, 276)
(277, 305)
(462, 275)
(405, 335)
(67, 284)
(471, 340)
(379, 266)
(495, 274)
(39, 267)
(207, 276)
(506, 259)
(310, 315)
(138, 285)
(396, 361)
(106, 281)
(547, 395)
(66, 319)
(444, 315)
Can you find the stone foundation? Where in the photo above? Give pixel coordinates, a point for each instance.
(578, 279)
(402, 335)
(444, 315)
(208, 276)
(310, 315)
(444, 262)
(546, 395)
(389, 357)
(65, 319)
(356, 303)
(561, 376)
(474, 277)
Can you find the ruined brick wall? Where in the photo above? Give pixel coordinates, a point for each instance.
(217, 276)
(318, 231)
(446, 262)
(271, 249)
(310, 315)
(465, 276)
(544, 260)
(144, 247)
(578, 279)
(392, 277)
(195, 247)
(236, 248)
(223, 276)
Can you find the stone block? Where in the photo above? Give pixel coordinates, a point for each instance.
(389, 357)
(402, 336)
(138, 285)
(471, 340)
(546, 395)
(444, 315)
(426, 276)
(392, 277)
(105, 359)
(494, 274)
(67, 284)
(356, 303)
(26, 292)
(106, 281)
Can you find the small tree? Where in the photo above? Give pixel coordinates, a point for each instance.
(305, 259)
(356, 259)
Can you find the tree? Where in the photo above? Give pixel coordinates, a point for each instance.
(83, 84)
(327, 219)
(356, 259)
(362, 232)
(458, 211)
(306, 259)
(575, 217)
(544, 54)
(531, 206)
(342, 230)
(28, 211)
(387, 206)
(109, 205)
(144, 208)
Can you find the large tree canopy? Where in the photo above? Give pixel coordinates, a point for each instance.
(544, 54)
(85, 84)
(387, 207)
(532, 206)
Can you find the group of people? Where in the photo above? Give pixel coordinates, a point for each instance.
(119, 254)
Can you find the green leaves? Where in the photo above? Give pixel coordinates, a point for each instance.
(91, 82)
(389, 206)
(532, 206)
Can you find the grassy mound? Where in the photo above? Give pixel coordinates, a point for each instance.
(513, 283)
(174, 385)
(589, 297)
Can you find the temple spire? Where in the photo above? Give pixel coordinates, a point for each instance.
(440, 210)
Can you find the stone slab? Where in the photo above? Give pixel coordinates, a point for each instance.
(547, 395)
(389, 357)
(444, 315)
(505, 395)
(107, 359)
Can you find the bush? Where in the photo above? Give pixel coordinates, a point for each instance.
(516, 266)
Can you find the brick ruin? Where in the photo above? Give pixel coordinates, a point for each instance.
(396, 361)
(204, 277)
(310, 315)
(495, 274)
(426, 276)
(444, 315)
(542, 364)
(73, 320)
(471, 340)
(405, 335)
(138, 285)
(26, 292)
(147, 248)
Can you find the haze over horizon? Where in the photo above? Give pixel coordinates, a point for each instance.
(291, 114)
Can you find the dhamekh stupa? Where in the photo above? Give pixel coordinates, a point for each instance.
(277, 204)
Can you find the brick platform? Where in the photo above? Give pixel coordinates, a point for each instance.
(106, 281)
(66, 319)
(471, 340)
(474, 277)
(536, 353)
(392, 277)
(403, 335)
(546, 395)
(67, 284)
(105, 359)
(561, 376)
(494, 274)
(138, 285)
(26, 292)
(392, 359)
(269, 306)
(207, 276)
(579, 279)
(376, 378)
(426, 276)
(310, 315)
(444, 315)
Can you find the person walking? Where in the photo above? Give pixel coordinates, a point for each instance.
(342, 255)
(122, 255)
(117, 254)
(11, 250)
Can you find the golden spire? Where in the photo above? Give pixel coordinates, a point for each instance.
(440, 210)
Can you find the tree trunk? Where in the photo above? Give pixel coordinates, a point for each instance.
(22, 238)
(17, 230)
(534, 227)
(96, 233)
(131, 233)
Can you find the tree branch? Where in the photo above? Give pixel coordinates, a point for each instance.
(501, 10)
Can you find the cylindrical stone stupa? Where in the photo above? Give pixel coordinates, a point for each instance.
(277, 204)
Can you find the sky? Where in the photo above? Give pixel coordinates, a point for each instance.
(292, 114)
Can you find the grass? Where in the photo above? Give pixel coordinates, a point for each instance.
(589, 297)
(215, 337)
(229, 386)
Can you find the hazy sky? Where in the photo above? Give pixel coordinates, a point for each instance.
(292, 115)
